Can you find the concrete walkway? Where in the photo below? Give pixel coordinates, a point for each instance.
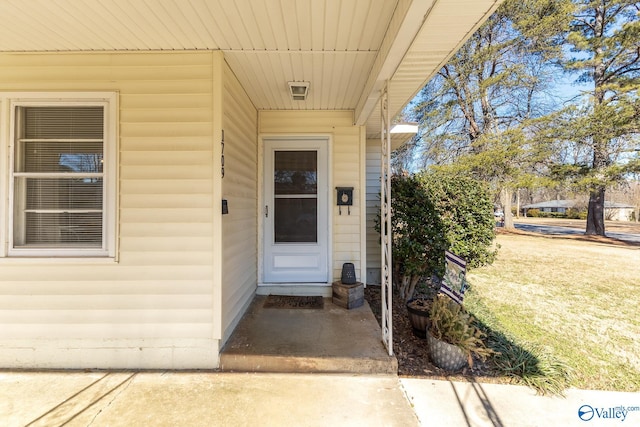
(201, 399)
(445, 403)
(268, 399)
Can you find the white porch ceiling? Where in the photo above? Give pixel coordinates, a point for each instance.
(345, 48)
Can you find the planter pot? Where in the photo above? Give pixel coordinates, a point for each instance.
(446, 356)
(418, 310)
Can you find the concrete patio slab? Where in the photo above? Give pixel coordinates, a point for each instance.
(331, 340)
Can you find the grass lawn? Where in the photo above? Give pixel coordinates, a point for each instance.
(578, 299)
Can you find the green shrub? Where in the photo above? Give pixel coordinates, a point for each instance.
(552, 215)
(433, 212)
(418, 236)
(465, 209)
(573, 213)
(533, 213)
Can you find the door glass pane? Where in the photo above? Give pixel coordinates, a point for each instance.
(296, 220)
(296, 172)
(295, 196)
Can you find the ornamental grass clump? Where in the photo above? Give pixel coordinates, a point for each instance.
(533, 365)
(451, 323)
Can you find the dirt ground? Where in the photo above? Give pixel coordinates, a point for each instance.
(412, 352)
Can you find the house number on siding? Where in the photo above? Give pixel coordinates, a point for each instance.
(222, 155)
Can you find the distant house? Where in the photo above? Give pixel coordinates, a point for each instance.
(613, 211)
(618, 211)
(555, 206)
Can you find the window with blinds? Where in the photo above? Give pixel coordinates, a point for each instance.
(58, 178)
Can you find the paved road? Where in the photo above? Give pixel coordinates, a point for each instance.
(552, 229)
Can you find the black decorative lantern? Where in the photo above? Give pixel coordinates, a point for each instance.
(348, 273)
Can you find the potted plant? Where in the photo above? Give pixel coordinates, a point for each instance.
(419, 306)
(418, 310)
(452, 337)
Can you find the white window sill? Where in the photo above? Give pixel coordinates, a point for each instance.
(56, 260)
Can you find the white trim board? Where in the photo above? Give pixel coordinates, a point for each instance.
(295, 289)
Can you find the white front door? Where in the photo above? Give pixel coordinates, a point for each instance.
(296, 211)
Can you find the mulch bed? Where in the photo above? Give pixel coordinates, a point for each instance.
(412, 352)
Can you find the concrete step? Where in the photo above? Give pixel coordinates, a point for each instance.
(298, 364)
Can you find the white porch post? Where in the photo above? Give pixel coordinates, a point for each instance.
(385, 221)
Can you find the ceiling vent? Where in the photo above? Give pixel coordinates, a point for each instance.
(298, 90)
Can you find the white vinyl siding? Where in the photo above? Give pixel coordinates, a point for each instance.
(240, 189)
(374, 156)
(344, 169)
(154, 307)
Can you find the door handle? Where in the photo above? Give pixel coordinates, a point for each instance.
(266, 211)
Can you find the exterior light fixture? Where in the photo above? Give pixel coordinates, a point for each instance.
(405, 127)
(298, 90)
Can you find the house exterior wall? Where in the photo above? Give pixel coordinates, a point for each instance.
(618, 214)
(346, 164)
(374, 158)
(154, 306)
(240, 189)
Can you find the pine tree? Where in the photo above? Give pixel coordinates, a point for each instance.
(475, 113)
(604, 37)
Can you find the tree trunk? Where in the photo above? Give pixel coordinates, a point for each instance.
(412, 287)
(506, 196)
(595, 214)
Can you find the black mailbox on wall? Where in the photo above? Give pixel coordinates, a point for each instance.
(345, 198)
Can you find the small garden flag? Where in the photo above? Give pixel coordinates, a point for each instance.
(454, 283)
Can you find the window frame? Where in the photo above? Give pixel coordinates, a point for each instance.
(9, 103)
